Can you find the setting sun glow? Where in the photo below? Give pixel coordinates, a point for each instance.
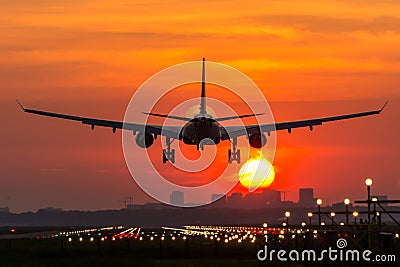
(256, 173)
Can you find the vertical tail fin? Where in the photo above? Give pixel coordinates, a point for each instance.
(203, 90)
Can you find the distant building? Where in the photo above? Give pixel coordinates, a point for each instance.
(271, 196)
(261, 200)
(382, 198)
(340, 206)
(177, 198)
(134, 206)
(5, 210)
(306, 197)
(49, 209)
(216, 197)
(218, 200)
(147, 206)
(235, 200)
(254, 201)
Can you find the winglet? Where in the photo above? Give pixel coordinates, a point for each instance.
(19, 103)
(384, 105)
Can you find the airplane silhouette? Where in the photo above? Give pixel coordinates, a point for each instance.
(202, 129)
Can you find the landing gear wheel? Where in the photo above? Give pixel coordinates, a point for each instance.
(172, 156)
(169, 154)
(234, 154)
(164, 158)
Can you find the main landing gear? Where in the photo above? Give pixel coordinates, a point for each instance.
(169, 154)
(234, 154)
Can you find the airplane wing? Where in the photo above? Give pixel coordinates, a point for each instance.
(236, 131)
(167, 131)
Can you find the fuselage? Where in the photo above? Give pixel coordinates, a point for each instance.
(200, 128)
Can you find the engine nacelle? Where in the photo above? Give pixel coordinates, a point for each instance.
(144, 140)
(257, 140)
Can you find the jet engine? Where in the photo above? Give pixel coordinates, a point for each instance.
(257, 140)
(144, 140)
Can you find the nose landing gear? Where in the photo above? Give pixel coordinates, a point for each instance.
(234, 154)
(169, 154)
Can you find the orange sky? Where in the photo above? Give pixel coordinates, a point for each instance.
(88, 57)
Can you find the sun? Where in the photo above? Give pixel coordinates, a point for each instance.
(256, 173)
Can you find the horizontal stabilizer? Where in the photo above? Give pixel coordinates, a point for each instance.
(168, 116)
(238, 117)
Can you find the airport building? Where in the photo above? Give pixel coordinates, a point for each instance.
(306, 197)
(177, 198)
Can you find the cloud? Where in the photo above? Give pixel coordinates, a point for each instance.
(328, 24)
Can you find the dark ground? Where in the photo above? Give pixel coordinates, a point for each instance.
(192, 252)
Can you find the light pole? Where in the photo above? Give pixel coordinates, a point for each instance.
(355, 214)
(287, 215)
(309, 217)
(378, 215)
(333, 217)
(368, 183)
(374, 200)
(265, 225)
(319, 203)
(346, 203)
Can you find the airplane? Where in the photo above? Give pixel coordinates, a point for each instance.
(202, 127)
